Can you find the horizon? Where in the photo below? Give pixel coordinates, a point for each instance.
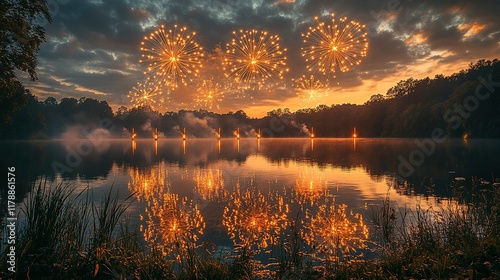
(92, 50)
(115, 109)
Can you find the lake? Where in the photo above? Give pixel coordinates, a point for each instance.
(251, 191)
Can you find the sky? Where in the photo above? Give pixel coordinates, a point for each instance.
(93, 48)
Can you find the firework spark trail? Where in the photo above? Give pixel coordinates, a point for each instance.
(335, 232)
(337, 46)
(254, 220)
(147, 94)
(210, 94)
(254, 56)
(172, 56)
(309, 89)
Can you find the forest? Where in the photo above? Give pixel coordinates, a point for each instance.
(464, 104)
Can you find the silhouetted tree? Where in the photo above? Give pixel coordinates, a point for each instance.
(20, 38)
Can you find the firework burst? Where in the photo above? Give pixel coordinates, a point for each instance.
(335, 232)
(147, 94)
(309, 187)
(337, 46)
(210, 94)
(145, 184)
(254, 220)
(310, 90)
(254, 56)
(173, 57)
(173, 222)
(210, 185)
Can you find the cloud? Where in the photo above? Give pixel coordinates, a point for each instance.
(92, 47)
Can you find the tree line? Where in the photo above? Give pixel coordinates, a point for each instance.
(465, 104)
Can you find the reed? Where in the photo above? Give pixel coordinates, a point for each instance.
(65, 235)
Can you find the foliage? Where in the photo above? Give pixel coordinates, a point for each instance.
(65, 235)
(412, 108)
(20, 39)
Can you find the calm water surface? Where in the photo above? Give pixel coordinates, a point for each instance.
(249, 191)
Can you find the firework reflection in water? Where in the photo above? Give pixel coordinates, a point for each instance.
(210, 185)
(335, 233)
(309, 187)
(173, 224)
(254, 221)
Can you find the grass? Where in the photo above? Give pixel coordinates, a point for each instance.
(459, 240)
(66, 236)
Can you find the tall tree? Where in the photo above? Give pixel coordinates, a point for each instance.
(20, 39)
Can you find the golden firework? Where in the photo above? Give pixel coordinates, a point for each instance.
(173, 223)
(210, 94)
(210, 184)
(147, 94)
(254, 56)
(337, 46)
(309, 187)
(254, 220)
(334, 232)
(148, 183)
(310, 90)
(172, 56)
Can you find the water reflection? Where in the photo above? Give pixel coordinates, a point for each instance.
(378, 157)
(146, 183)
(210, 184)
(173, 223)
(334, 232)
(310, 186)
(134, 146)
(248, 192)
(254, 220)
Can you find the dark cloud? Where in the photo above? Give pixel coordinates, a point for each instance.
(92, 47)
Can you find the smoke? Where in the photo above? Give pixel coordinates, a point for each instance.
(147, 126)
(177, 129)
(305, 130)
(197, 127)
(99, 133)
(82, 132)
(73, 132)
(251, 133)
(301, 127)
(126, 133)
(79, 135)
